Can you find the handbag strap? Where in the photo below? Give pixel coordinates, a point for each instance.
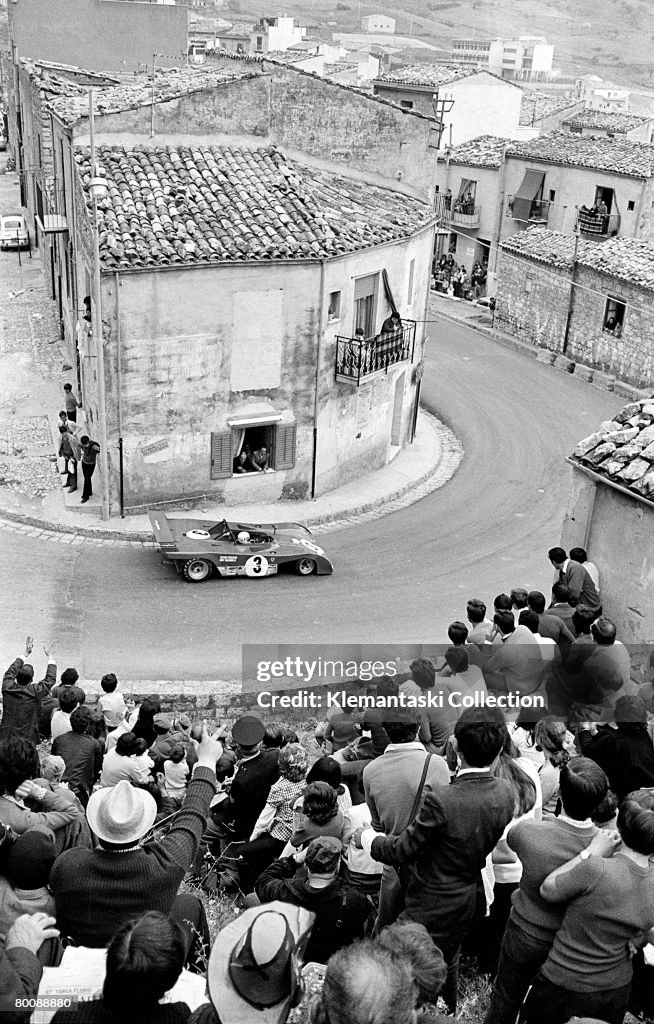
(416, 802)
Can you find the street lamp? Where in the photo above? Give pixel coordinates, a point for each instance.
(98, 190)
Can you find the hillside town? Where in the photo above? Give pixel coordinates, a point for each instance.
(364, 320)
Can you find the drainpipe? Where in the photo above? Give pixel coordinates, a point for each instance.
(316, 397)
(495, 242)
(97, 324)
(571, 299)
(119, 380)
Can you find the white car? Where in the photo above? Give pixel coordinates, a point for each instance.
(13, 232)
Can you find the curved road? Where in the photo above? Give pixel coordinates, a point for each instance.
(399, 579)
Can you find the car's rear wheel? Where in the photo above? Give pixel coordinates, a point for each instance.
(305, 566)
(197, 570)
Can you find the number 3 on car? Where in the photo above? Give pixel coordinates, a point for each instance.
(256, 565)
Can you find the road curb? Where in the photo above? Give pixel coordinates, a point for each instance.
(582, 371)
(449, 454)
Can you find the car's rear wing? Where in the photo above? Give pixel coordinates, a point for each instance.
(161, 528)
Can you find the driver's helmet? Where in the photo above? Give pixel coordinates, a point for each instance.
(243, 537)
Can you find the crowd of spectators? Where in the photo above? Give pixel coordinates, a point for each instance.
(430, 816)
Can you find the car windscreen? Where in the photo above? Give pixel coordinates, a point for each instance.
(12, 223)
(221, 531)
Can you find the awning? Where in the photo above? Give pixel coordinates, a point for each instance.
(388, 293)
(531, 185)
(253, 419)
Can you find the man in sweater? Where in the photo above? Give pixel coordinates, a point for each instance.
(21, 696)
(82, 754)
(96, 891)
(447, 844)
(551, 626)
(341, 912)
(516, 664)
(576, 578)
(542, 846)
(390, 784)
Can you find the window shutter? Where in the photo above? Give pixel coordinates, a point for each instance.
(285, 446)
(221, 454)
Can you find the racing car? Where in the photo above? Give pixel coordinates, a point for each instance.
(200, 548)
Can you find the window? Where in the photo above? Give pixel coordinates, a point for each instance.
(631, 205)
(334, 308)
(614, 312)
(552, 195)
(575, 130)
(365, 305)
(259, 42)
(412, 268)
(238, 451)
(407, 104)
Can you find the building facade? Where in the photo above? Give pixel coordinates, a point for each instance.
(611, 514)
(590, 301)
(244, 301)
(275, 34)
(527, 59)
(378, 23)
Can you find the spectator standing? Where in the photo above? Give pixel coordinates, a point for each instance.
(579, 555)
(542, 847)
(82, 755)
(111, 702)
(176, 772)
(21, 696)
(71, 451)
(71, 402)
(90, 452)
(60, 721)
(576, 578)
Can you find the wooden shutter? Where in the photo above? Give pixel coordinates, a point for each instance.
(221, 454)
(285, 446)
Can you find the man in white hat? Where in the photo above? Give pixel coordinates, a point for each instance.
(96, 891)
(254, 967)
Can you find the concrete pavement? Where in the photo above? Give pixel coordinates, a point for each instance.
(33, 369)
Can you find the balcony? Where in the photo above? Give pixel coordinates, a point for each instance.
(590, 224)
(535, 211)
(468, 216)
(358, 360)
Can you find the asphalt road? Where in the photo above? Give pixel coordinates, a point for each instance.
(398, 580)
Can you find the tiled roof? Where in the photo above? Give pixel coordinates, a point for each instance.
(630, 259)
(484, 151)
(619, 156)
(427, 74)
(170, 83)
(290, 56)
(622, 450)
(180, 205)
(605, 121)
(536, 106)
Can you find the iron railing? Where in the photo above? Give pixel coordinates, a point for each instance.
(466, 215)
(358, 359)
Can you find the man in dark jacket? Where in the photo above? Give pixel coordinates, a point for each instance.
(256, 770)
(21, 696)
(625, 752)
(341, 912)
(82, 754)
(446, 846)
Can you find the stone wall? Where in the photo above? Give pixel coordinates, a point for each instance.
(532, 300)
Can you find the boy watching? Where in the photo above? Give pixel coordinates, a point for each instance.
(112, 702)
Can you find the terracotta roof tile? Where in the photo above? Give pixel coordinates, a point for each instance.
(622, 450)
(537, 105)
(603, 120)
(630, 259)
(427, 74)
(214, 204)
(484, 151)
(619, 156)
(170, 83)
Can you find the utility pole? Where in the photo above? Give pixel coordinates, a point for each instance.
(571, 299)
(154, 71)
(98, 188)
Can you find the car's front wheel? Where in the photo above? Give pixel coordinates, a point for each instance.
(305, 567)
(197, 570)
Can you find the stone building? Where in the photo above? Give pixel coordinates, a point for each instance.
(611, 515)
(590, 301)
(243, 301)
(635, 127)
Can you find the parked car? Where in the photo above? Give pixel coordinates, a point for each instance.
(200, 548)
(3, 141)
(13, 232)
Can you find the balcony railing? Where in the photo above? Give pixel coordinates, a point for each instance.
(597, 225)
(359, 359)
(538, 212)
(467, 216)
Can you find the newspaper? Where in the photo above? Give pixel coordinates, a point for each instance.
(81, 976)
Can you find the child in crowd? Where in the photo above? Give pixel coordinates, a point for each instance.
(176, 772)
(142, 759)
(52, 770)
(112, 702)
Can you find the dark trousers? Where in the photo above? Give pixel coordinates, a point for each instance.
(521, 958)
(188, 911)
(485, 938)
(256, 856)
(87, 472)
(547, 1003)
(72, 416)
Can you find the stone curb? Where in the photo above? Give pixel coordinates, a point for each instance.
(447, 439)
(587, 373)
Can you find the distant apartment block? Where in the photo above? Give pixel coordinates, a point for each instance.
(378, 23)
(527, 59)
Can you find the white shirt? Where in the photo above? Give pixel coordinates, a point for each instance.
(112, 706)
(60, 723)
